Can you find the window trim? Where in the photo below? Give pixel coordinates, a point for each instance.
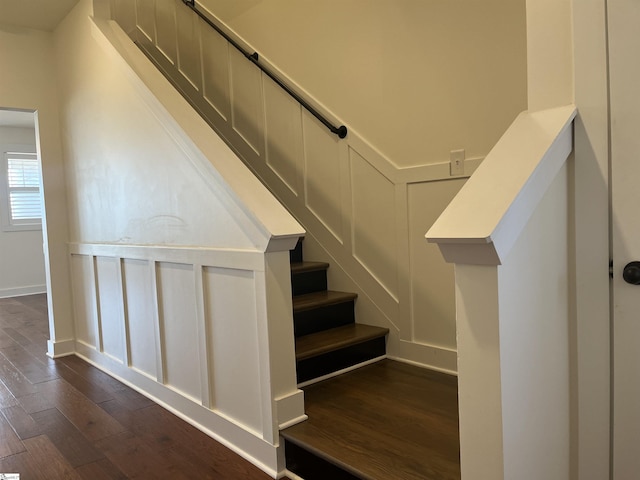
(8, 225)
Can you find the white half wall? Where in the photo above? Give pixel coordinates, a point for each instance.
(202, 331)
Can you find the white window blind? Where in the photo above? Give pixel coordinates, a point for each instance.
(23, 189)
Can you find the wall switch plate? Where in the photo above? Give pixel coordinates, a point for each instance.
(456, 165)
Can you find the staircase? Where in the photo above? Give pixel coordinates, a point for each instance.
(370, 418)
(380, 419)
(327, 338)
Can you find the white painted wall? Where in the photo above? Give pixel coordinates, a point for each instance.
(21, 252)
(28, 73)
(129, 181)
(417, 79)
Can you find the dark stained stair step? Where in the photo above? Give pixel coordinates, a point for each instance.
(303, 267)
(336, 338)
(318, 311)
(325, 298)
(308, 277)
(333, 350)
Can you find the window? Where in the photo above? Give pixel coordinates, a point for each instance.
(21, 203)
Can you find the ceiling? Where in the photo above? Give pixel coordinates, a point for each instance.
(13, 118)
(38, 14)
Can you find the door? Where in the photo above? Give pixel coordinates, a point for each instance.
(624, 57)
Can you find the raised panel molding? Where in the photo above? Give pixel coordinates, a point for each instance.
(139, 303)
(179, 330)
(189, 48)
(124, 12)
(145, 18)
(322, 178)
(283, 129)
(230, 312)
(246, 101)
(166, 29)
(111, 311)
(432, 297)
(374, 229)
(215, 65)
(84, 299)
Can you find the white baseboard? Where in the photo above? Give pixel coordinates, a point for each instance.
(61, 348)
(21, 291)
(340, 372)
(290, 475)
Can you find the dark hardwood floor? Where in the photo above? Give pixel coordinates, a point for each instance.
(385, 421)
(64, 419)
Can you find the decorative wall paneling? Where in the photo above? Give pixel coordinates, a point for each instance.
(368, 214)
(188, 327)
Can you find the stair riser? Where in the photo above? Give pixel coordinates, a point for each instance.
(309, 282)
(295, 255)
(339, 359)
(310, 467)
(323, 318)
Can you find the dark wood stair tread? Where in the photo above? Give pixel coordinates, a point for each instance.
(325, 298)
(303, 267)
(385, 421)
(335, 338)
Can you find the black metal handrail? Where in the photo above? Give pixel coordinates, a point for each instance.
(340, 131)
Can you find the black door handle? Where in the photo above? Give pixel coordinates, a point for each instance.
(631, 273)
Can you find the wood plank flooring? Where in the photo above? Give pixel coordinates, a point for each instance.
(64, 419)
(385, 421)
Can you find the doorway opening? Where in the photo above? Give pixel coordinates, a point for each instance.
(22, 227)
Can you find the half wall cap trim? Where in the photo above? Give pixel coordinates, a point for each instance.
(482, 223)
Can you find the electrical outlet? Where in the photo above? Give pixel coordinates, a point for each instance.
(456, 165)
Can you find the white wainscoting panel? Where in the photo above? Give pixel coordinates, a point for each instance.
(84, 294)
(230, 312)
(432, 294)
(179, 329)
(187, 327)
(322, 176)
(111, 311)
(141, 314)
(166, 30)
(125, 10)
(246, 100)
(188, 46)
(284, 135)
(145, 18)
(215, 65)
(374, 228)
